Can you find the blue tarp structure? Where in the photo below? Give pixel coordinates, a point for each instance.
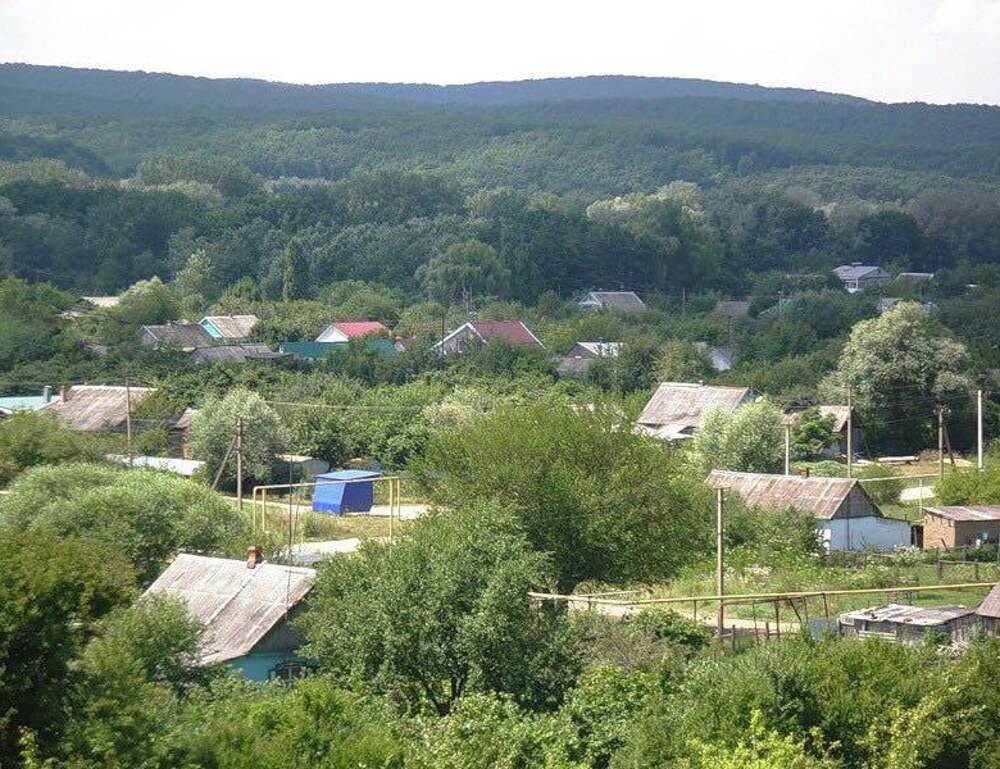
(339, 498)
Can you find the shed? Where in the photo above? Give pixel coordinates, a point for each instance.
(245, 607)
(355, 495)
(677, 409)
(954, 526)
(846, 516)
(910, 624)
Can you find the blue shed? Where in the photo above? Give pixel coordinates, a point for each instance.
(355, 497)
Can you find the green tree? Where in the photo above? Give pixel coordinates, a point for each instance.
(28, 439)
(442, 613)
(750, 439)
(606, 503)
(899, 366)
(812, 432)
(146, 515)
(465, 269)
(294, 271)
(213, 434)
(51, 591)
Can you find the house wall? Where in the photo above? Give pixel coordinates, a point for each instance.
(460, 341)
(258, 666)
(940, 532)
(860, 533)
(331, 334)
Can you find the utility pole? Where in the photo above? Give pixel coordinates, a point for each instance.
(850, 431)
(719, 584)
(788, 449)
(941, 441)
(979, 434)
(128, 422)
(239, 463)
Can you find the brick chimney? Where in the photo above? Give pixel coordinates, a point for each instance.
(255, 555)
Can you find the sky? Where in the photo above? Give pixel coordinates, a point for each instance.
(939, 51)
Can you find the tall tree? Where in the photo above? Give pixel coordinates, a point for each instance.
(294, 271)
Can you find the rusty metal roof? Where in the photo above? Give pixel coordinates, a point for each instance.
(676, 406)
(90, 408)
(908, 615)
(237, 605)
(990, 607)
(820, 496)
(966, 512)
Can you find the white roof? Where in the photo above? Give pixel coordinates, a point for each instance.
(602, 349)
(678, 408)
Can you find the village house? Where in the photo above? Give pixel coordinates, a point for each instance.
(840, 415)
(678, 409)
(583, 355)
(179, 335)
(859, 277)
(246, 608)
(847, 518)
(612, 301)
(949, 527)
(344, 331)
(92, 408)
(235, 353)
(476, 332)
(910, 624)
(236, 328)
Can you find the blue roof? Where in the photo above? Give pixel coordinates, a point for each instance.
(348, 475)
(25, 402)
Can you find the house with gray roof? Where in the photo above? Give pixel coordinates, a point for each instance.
(92, 408)
(859, 277)
(236, 328)
(178, 335)
(245, 607)
(847, 518)
(613, 301)
(678, 409)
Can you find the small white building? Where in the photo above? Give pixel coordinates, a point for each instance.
(847, 518)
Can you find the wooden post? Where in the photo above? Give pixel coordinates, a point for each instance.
(850, 432)
(128, 422)
(777, 620)
(239, 464)
(732, 637)
(826, 608)
(788, 449)
(719, 558)
(767, 631)
(940, 568)
(940, 442)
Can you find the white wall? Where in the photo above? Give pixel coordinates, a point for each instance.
(860, 533)
(330, 334)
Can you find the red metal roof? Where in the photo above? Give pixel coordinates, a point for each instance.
(512, 330)
(355, 328)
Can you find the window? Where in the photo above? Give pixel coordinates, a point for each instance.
(286, 672)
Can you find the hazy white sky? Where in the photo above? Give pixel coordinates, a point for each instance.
(893, 50)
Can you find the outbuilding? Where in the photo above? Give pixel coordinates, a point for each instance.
(354, 494)
(910, 624)
(949, 527)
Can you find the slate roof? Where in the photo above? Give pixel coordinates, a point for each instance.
(966, 512)
(232, 326)
(89, 408)
(903, 614)
(236, 353)
(677, 408)
(623, 301)
(990, 607)
(237, 605)
(839, 414)
(822, 497)
(181, 336)
(856, 271)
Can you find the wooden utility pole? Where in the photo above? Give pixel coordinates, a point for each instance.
(850, 431)
(128, 422)
(239, 463)
(719, 569)
(788, 449)
(979, 433)
(940, 441)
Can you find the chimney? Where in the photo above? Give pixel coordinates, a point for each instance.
(47, 394)
(804, 472)
(64, 393)
(255, 555)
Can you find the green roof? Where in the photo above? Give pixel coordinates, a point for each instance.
(319, 350)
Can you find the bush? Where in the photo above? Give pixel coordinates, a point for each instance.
(28, 439)
(887, 486)
(970, 488)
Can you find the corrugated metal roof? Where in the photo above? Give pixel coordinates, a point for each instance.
(679, 406)
(856, 271)
(966, 512)
(89, 408)
(614, 300)
(236, 353)
(237, 605)
(176, 335)
(839, 414)
(820, 496)
(909, 615)
(990, 607)
(232, 326)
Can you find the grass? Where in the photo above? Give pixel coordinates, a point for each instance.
(317, 527)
